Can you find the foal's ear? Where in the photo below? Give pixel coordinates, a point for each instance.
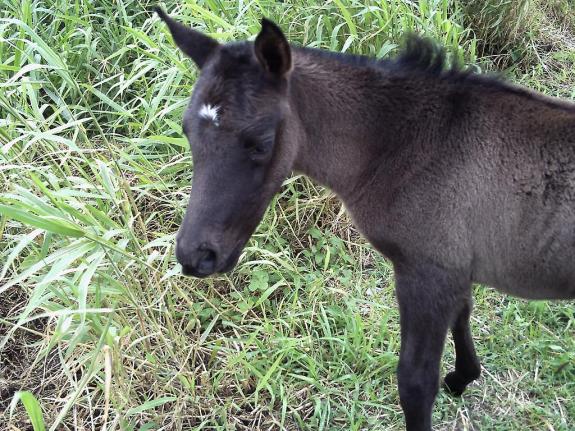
(272, 49)
(194, 44)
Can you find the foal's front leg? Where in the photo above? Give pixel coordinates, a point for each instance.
(428, 300)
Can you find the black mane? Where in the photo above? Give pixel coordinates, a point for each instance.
(418, 54)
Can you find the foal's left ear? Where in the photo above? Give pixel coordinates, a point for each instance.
(194, 44)
(272, 49)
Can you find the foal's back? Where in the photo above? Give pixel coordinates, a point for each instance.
(527, 212)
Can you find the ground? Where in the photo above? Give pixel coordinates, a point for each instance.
(97, 323)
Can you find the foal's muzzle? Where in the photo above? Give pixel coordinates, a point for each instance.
(199, 261)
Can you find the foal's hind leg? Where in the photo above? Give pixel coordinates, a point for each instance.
(427, 297)
(467, 367)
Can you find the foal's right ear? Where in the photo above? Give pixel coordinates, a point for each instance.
(194, 44)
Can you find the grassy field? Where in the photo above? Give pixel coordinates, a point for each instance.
(95, 320)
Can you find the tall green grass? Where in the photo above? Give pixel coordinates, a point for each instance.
(95, 319)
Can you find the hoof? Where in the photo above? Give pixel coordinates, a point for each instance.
(455, 384)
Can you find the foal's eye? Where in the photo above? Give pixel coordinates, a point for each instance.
(257, 151)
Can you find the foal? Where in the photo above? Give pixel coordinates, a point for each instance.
(455, 178)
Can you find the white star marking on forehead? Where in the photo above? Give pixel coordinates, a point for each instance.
(210, 112)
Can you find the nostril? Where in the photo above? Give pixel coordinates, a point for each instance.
(206, 260)
(197, 261)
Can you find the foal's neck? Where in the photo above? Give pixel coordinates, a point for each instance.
(350, 117)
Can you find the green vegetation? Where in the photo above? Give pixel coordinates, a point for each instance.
(520, 34)
(97, 323)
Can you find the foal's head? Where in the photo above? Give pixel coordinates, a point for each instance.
(236, 124)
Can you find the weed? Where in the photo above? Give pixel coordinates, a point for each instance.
(95, 319)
